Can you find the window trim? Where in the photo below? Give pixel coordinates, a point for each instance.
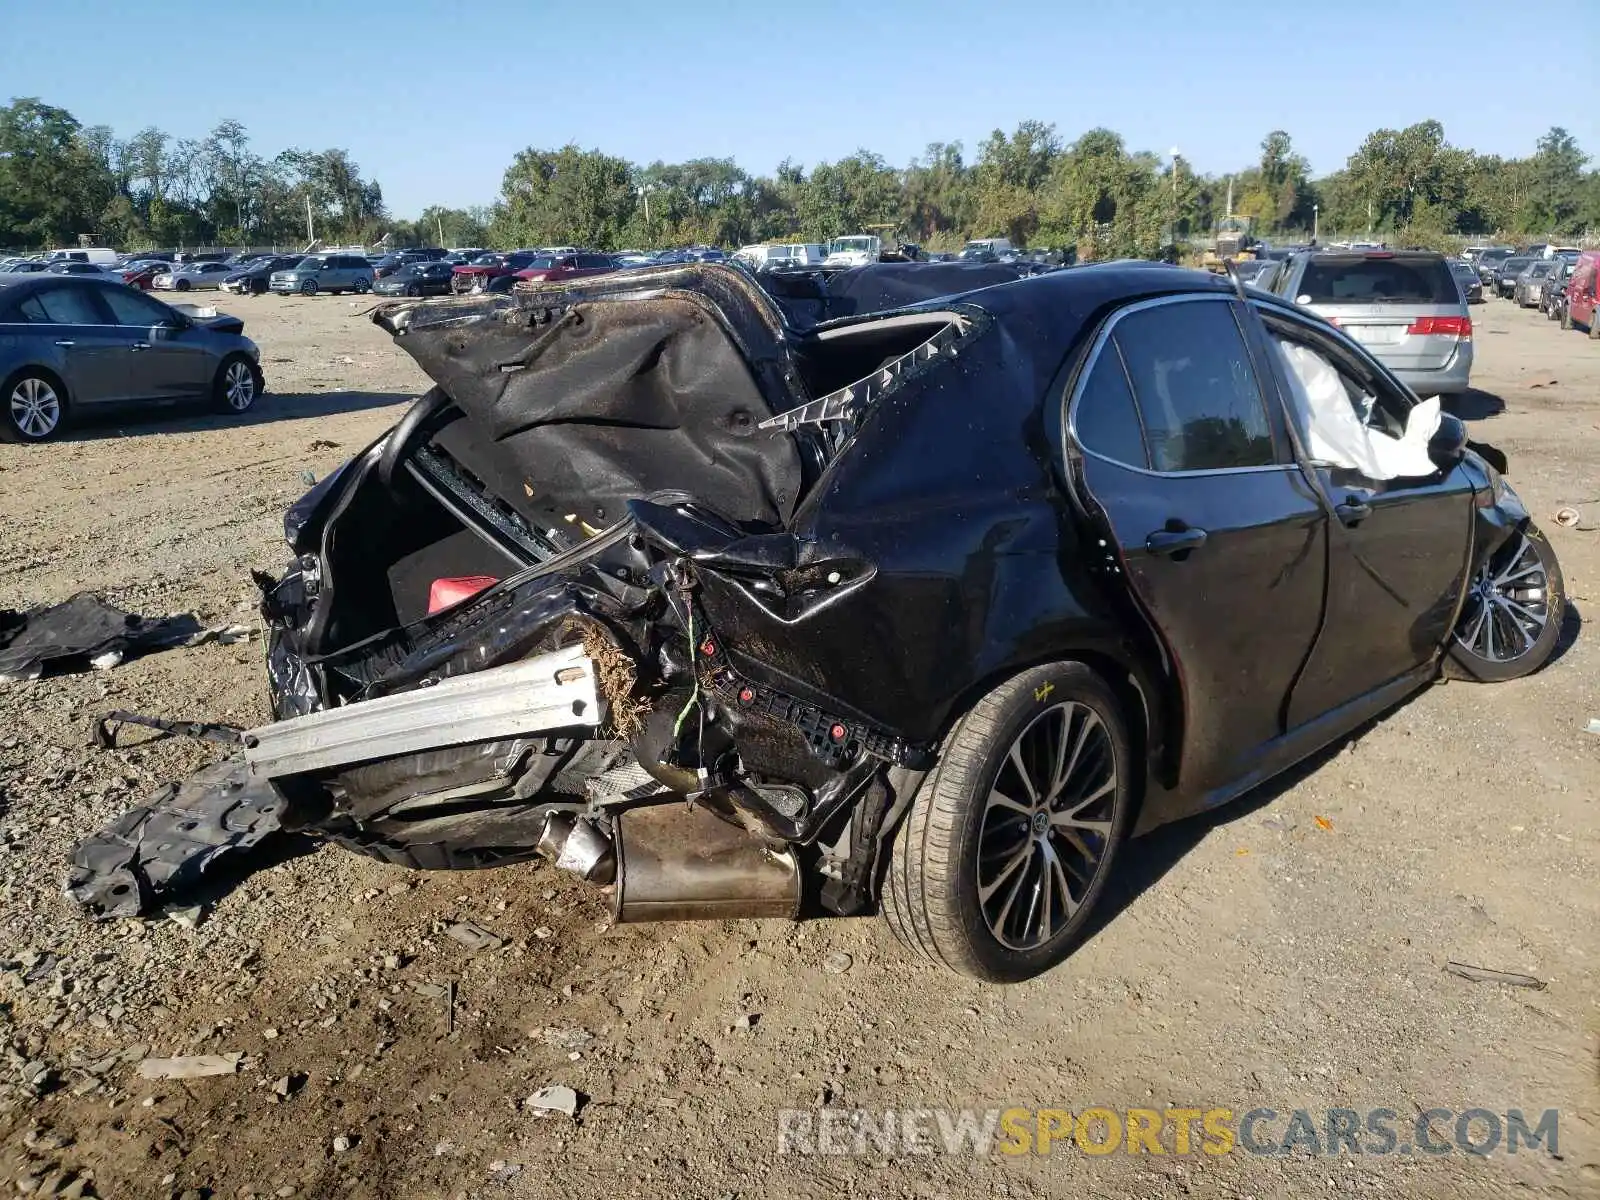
(1097, 347)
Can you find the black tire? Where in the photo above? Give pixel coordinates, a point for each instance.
(362, 287)
(182, 285)
(308, 288)
(1526, 550)
(413, 290)
(931, 896)
(237, 386)
(1566, 318)
(258, 287)
(33, 407)
(1594, 323)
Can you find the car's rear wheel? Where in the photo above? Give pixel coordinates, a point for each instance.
(35, 407)
(182, 285)
(1511, 620)
(1566, 318)
(413, 290)
(308, 288)
(1594, 323)
(1009, 842)
(237, 385)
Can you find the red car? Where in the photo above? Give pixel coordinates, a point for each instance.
(141, 275)
(486, 268)
(1583, 294)
(550, 269)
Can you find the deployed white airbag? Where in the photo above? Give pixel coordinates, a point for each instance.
(1336, 432)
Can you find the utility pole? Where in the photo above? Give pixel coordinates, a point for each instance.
(1315, 212)
(311, 233)
(439, 221)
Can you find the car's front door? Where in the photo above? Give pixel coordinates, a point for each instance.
(1221, 537)
(1399, 550)
(168, 361)
(94, 354)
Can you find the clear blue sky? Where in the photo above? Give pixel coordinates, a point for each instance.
(433, 97)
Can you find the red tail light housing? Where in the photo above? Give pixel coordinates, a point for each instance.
(1460, 327)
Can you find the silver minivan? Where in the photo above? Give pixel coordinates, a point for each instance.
(1402, 305)
(324, 273)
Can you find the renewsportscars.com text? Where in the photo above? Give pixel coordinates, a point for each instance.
(1098, 1130)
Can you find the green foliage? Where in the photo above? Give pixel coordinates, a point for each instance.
(60, 180)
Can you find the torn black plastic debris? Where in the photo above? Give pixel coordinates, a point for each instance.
(160, 850)
(82, 632)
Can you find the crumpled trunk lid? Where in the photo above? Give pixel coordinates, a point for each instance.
(625, 387)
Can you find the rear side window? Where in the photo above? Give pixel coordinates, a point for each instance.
(1378, 281)
(62, 306)
(1106, 419)
(1196, 387)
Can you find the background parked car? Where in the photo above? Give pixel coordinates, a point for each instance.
(252, 279)
(336, 273)
(486, 268)
(142, 274)
(70, 343)
(568, 266)
(1403, 306)
(25, 266)
(1471, 285)
(417, 279)
(1525, 290)
(62, 266)
(1553, 293)
(1488, 263)
(390, 263)
(1506, 272)
(192, 277)
(1582, 302)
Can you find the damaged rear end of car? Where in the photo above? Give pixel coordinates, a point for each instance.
(582, 602)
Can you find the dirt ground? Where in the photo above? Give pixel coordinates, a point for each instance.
(1286, 952)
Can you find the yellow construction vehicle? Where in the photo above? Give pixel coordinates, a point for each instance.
(1232, 240)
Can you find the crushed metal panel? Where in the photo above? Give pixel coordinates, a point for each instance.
(553, 691)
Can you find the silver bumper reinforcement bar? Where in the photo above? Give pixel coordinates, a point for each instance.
(553, 691)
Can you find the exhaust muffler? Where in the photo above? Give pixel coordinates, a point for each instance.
(676, 863)
(671, 862)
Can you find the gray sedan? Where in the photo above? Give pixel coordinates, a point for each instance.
(70, 343)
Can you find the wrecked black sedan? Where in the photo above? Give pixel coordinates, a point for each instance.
(927, 610)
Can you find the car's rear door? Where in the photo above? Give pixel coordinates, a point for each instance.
(1221, 537)
(95, 355)
(1399, 548)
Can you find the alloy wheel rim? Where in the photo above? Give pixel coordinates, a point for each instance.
(1508, 606)
(239, 387)
(35, 408)
(1046, 825)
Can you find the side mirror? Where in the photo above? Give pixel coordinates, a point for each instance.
(1449, 442)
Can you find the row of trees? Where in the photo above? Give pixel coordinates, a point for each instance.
(1037, 189)
(60, 179)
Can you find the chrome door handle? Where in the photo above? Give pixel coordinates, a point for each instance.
(66, 343)
(140, 346)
